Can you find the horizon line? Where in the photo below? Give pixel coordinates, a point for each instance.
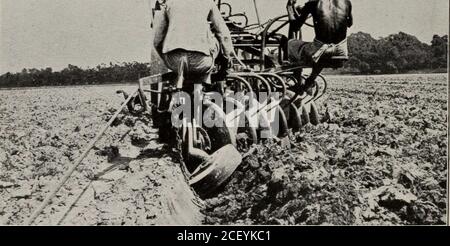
(152, 56)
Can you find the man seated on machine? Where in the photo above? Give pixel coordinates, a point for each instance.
(331, 20)
(189, 35)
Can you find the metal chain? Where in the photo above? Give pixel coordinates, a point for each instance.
(178, 151)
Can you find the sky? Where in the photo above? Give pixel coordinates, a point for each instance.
(55, 33)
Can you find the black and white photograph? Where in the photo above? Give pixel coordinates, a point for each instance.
(224, 113)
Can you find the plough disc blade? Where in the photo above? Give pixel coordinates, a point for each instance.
(314, 114)
(305, 115)
(216, 170)
(309, 114)
(293, 115)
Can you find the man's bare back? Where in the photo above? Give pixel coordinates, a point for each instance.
(331, 18)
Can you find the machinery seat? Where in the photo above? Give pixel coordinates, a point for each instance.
(333, 62)
(326, 62)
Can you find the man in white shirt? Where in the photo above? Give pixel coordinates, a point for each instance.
(189, 34)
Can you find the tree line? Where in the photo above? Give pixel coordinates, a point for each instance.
(73, 75)
(397, 53)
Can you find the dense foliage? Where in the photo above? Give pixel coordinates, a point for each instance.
(397, 53)
(74, 75)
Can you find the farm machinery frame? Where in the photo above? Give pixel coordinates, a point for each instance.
(260, 67)
(259, 87)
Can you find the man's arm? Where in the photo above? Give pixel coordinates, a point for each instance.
(303, 14)
(350, 15)
(220, 29)
(292, 10)
(160, 30)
